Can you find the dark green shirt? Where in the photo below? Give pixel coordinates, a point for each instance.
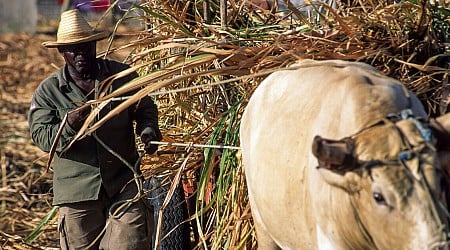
(86, 167)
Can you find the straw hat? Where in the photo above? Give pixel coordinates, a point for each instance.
(74, 29)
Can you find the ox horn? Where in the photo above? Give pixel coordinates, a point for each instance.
(334, 154)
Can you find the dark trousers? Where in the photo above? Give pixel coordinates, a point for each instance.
(87, 224)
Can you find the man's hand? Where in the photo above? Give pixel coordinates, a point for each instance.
(76, 117)
(147, 135)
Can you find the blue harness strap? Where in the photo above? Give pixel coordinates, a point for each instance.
(424, 131)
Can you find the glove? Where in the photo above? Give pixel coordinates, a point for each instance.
(147, 135)
(76, 117)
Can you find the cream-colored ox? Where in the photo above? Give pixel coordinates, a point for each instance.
(337, 156)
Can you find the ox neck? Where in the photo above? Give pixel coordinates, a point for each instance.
(368, 239)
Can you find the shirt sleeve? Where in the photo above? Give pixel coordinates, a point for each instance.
(146, 115)
(45, 119)
(145, 112)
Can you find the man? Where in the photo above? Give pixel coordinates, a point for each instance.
(91, 177)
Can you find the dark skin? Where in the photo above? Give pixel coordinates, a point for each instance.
(81, 62)
(82, 68)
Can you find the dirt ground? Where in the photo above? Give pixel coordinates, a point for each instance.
(23, 64)
(25, 187)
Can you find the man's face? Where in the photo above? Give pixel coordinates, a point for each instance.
(80, 57)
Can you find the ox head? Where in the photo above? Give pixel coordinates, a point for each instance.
(393, 174)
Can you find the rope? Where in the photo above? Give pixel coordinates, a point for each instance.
(118, 208)
(193, 145)
(137, 179)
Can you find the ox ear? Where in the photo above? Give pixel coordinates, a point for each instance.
(335, 155)
(441, 131)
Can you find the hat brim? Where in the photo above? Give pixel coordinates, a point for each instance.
(94, 37)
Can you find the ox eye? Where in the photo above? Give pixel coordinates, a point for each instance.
(379, 198)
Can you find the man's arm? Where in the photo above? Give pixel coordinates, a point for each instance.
(146, 115)
(44, 122)
(147, 124)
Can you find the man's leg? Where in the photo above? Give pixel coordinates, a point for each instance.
(133, 228)
(80, 224)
